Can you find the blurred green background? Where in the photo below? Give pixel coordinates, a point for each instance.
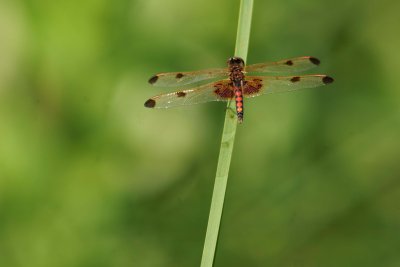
(89, 177)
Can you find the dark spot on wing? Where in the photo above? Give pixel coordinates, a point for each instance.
(179, 75)
(181, 94)
(289, 63)
(153, 79)
(150, 103)
(315, 60)
(224, 91)
(295, 79)
(327, 80)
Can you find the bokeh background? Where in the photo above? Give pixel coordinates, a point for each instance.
(89, 177)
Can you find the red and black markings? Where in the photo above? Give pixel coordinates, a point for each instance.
(153, 79)
(239, 104)
(180, 94)
(252, 87)
(151, 103)
(224, 91)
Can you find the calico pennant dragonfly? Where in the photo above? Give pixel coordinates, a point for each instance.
(237, 85)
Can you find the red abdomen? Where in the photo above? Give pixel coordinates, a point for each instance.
(239, 103)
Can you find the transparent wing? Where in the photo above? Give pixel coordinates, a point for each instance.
(216, 91)
(297, 64)
(255, 86)
(183, 78)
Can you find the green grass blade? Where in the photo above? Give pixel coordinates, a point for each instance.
(228, 138)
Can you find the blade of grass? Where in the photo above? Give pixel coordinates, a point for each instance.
(228, 138)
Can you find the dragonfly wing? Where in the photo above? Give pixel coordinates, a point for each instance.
(255, 86)
(297, 64)
(216, 91)
(169, 79)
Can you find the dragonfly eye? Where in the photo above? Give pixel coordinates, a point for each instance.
(236, 61)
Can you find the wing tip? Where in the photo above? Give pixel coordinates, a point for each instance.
(314, 60)
(151, 103)
(327, 80)
(153, 79)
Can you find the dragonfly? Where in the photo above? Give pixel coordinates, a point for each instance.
(234, 84)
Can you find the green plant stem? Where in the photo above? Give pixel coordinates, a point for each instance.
(228, 138)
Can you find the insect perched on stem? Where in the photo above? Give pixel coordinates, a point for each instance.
(237, 85)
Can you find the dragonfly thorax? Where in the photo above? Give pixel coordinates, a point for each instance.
(236, 76)
(236, 65)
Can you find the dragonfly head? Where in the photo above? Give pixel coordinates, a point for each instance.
(235, 62)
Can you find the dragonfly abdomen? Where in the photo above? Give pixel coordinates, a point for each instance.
(239, 103)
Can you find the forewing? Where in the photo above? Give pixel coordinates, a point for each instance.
(216, 91)
(297, 64)
(170, 79)
(255, 85)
